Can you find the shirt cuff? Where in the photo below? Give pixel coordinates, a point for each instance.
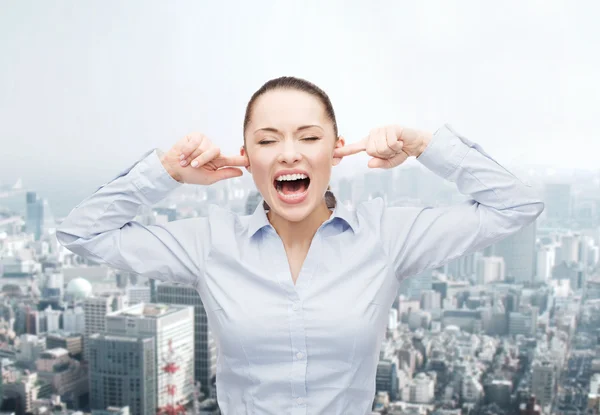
(152, 179)
(445, 152)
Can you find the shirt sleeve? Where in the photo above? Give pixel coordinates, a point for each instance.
(102, 227)
(500, 204)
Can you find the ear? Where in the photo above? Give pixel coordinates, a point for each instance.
(243, 153)
(340, 142)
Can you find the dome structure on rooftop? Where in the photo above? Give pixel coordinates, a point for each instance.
(79, 288)
(452, 329)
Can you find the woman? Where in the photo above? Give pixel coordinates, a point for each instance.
(298, 293)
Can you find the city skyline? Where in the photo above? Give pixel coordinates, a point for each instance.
(490, 330)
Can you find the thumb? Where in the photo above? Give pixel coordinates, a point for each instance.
(226, 173)
(377, 163)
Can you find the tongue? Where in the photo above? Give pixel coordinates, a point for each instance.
(293, 186)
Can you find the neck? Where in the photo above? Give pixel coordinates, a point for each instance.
(299, 234)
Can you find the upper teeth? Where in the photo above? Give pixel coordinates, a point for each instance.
(292, 177)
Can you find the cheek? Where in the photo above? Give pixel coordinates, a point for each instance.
(321, 158)
(260, 170)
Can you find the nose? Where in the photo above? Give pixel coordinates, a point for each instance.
(289, 153)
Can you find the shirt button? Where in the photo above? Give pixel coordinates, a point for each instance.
(299, 401)
(295, 306)
(299, 355)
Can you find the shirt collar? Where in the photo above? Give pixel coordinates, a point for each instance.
(259, 219)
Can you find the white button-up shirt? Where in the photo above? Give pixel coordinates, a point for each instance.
(310, 347)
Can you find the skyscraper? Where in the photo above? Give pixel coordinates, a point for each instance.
(123, 372)
(558, 203)
(39, 218)
(95, 310)
(170, 325)
(519, 253)
(254, 198)
(204, 345)
(543, 380)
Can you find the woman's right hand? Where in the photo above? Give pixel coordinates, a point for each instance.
(196, 160)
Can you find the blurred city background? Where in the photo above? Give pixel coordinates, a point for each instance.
(485, 334)
(88, 87)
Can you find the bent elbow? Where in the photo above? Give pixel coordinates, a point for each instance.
(540, 207)
(528, 213)
(64, 237)
(536, 209)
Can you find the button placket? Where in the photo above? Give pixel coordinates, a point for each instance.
(298, 344)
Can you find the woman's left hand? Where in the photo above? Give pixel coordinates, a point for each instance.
(388, 146)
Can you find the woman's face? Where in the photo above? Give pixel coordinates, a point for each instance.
(289, 144)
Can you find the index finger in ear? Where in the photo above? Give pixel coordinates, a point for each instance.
(351, 148)
(223, 161)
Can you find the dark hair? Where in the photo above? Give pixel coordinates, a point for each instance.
(297, 84)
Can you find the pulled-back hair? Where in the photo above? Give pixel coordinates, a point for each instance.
(297, 84)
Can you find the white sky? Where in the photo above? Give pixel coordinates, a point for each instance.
(86, 87)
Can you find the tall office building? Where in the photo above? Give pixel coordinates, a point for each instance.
(523, 322)
(172, 327)
(137, 294)
(431, 300)
(38, 216)
(558, 203)
(546, 259)
(344, 193)
(95, 310)
(379, 184)
(254, 198)
(543, 380)
(123, 372)
(519, 253)
(570, 246)
(490, 269)
(413, 286)
(205, 361)
(74, 320)
(464, 266)
(386, 379)
(422, 389)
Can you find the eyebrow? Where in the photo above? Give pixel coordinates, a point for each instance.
(275, 130)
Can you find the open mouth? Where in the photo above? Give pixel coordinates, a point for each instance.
(291, 185)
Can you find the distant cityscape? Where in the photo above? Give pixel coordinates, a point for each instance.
(511, 329)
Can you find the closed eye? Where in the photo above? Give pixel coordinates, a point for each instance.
(264, 142)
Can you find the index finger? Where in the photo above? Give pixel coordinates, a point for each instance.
(222, 161)
(351, 148)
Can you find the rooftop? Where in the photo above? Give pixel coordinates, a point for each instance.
(116, 337)
(53, 353)
(148, 310)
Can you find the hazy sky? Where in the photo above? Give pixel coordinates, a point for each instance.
(87, 86)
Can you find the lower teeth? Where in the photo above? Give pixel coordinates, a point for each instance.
(292, 196)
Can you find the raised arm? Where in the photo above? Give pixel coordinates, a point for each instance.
(500, 204)
(102, 227)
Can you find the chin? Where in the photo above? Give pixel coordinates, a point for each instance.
(291, 212)
(293, 209)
